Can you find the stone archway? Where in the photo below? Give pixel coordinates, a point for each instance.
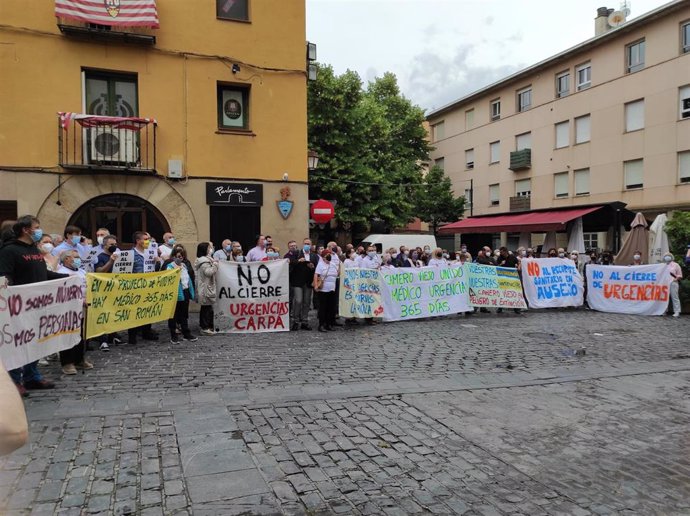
(79, 189)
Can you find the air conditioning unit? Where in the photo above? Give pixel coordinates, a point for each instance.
(113, 146)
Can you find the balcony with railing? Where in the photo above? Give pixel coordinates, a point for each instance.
(520, 160)
(109, 21)
(106, 143)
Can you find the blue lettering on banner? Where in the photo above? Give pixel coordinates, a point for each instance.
(556, 291)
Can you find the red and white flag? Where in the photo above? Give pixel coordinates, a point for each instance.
(116, 13)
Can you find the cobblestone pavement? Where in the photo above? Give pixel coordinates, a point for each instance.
(482, 415)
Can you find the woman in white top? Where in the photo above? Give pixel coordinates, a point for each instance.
(437, 259)
(324, 285)
(351, 262)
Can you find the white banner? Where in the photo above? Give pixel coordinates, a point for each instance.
(253, 297)
(124, 264)
(39, 319)
(409, 293)
(552, 282)
(150, 255)
(634, 289)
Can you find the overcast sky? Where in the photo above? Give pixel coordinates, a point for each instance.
(441, 50)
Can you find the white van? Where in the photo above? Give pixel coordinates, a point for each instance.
(383, 242)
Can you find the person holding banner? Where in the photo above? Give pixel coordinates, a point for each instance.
(70, 359)
(205, 269)
(22, 263)
(178, 260)
(325, 277)
(676, 275)
(257, 253)
(142, 242)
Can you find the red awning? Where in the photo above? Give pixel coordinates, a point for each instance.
(532, 221)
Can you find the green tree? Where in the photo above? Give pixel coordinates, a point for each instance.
(370, 144)
(436, 202)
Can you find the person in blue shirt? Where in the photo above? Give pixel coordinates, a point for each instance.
(72, 242)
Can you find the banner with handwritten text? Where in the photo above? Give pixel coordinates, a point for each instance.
(253, 297)
(495, 287)
(426, 292)
(552, 282)
(635, 289)
(123, 301)
(39, 319)
(360, 293)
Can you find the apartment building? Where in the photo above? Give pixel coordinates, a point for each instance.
(598, 131)
(188, 116)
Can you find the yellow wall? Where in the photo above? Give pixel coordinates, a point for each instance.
(41, 74)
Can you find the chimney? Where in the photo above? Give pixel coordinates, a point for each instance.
(601, 23)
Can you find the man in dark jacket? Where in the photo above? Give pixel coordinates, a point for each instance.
(22, 263)
(302, 267)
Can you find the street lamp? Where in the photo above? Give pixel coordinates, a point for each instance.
(312, 160)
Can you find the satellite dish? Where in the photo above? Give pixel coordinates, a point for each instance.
(616, 18)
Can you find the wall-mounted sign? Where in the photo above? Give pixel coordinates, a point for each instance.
(235, 194)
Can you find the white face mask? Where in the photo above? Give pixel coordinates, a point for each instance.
(668, 259)
(100, 240)
(47, 247)
(637, 257)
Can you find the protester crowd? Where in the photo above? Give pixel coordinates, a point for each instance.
(27, 255)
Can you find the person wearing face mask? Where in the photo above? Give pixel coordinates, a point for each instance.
(46, 247)
(415, 259)
(72, 242)
(302, 267)
(426, 255)
(637, 258)
(105, 260)
(272, 253)
(22, 263)
(325, 277)
(205, 269)
(238, 253)
(561, 252)
(552, 253)
(403, 259)
(142, 241)
(73, 358)
(257, 253)
(225, 251)
(676, 275)
(371, 260)
(437, 259)
(185, 293)
(166, 247)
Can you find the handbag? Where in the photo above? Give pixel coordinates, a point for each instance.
(318, 280)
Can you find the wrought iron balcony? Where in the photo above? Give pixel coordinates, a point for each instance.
(520, 160)
(90, 142)
(520, 203)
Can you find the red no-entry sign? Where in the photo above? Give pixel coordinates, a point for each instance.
(322, 211)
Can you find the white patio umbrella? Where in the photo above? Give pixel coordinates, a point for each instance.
(576, 237)
(658, 239)
(549, 242)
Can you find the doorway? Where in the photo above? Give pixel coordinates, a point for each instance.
(121, 215)
(235, 223)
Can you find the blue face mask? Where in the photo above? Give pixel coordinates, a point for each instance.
(77, 263)
(228, 248)
(272, 255)
(306, 248)
(76, 239)
(171, 241)
(37, 234)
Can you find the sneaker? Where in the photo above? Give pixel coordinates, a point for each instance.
(190, 338)
(69, 369)
(116, 339)
(208, 331)
(104, 346)
(85, 365)
(39, 385)
(676, 314)
(22, 391)
(43, 362)
(174, 339)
